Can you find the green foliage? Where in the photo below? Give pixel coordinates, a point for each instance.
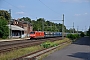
(72, 36)
(40, 25)
(48, 44)
(25, 19)
(76, 35)
(19, 52)
(88, 32)
(82, 34)
(24, 51)
(71, 30)
(4, 30)
(5, 14)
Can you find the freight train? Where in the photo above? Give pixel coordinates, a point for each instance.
(43, 34)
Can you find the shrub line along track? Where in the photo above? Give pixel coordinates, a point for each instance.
(22, 44)
(34, 55)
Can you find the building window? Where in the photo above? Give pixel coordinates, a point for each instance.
(17, 22)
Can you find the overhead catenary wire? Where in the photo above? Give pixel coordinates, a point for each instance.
(49, 7)
(17, 8)
(30, 14)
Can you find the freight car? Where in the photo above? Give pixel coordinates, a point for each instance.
(41, 34)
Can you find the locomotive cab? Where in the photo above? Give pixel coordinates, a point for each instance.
(32, 35)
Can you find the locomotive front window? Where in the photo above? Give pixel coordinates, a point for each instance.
(32, 32)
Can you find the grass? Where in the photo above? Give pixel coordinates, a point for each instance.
(0, 38)
(20, 52)
(61, 41)
(48, 53)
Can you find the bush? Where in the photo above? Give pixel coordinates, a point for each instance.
(76, 36)
(72, 36)
(4, 30)
(82, 34)
(48, 44)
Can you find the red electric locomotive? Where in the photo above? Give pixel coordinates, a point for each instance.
(36, 34)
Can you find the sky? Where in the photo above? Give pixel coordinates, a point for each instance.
(75, 11)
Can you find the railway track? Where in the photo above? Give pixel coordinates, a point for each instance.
(34, 55)
(12, 45)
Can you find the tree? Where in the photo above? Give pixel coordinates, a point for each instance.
(40, 24)
(71, 30)
(88, 32)
(4, 30)
(5, 14)
(82, 34)
(25, 19)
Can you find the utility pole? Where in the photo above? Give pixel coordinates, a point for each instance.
(36, 19)
(27, 28)
(82, 30)
(51, 27)
(42, 25)
(63, 27)
(73, 27)
(77, 29)
(55, 28)
(10, 30)
(21, 32)
(85, 30)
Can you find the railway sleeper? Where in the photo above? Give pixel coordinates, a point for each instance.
(33, 56)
